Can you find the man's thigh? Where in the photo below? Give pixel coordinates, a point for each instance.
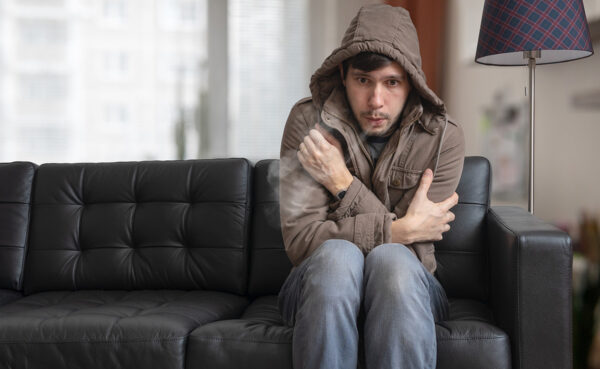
(329, 266)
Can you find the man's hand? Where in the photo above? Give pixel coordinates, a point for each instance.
(424, 219)
(323, 159)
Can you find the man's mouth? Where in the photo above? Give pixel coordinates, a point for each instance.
(376, 120)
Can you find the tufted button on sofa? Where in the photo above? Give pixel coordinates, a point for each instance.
(177, 264)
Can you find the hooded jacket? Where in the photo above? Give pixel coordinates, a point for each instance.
(425, 137)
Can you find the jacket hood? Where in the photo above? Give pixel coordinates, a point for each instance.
(382, 29)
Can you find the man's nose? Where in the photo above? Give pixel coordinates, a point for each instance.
(376, 97)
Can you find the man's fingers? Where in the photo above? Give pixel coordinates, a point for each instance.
(329, 137)
(302, 153)
(426, 180)
(324, 133)
(310, 146)
(450, 216)
(449, 202)
(318, 138)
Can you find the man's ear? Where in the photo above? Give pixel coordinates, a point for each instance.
(341, 68)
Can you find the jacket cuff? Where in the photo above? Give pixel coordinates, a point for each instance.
(358, 200)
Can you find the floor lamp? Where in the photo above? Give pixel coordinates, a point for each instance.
(530, 32)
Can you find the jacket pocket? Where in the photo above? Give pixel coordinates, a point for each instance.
(400, 182)
(403, 178)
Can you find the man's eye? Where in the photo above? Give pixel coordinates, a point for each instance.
(362, 80)
(393, 82)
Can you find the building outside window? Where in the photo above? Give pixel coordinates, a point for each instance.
(106, 80)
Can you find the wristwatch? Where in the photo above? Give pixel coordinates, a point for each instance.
(340, 195)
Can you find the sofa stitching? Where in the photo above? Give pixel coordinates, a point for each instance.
(472, 338)
(91, 341)
(518, 327)
(21, 280)
(221, 339)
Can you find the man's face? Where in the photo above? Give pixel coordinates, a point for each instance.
(377, 97)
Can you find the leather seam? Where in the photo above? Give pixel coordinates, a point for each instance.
(21, 280)
(518, 327)
(145, 247)
(90, 341)
(471, 203)
(13, 246)
(221, 339)
(458, 252)
(139, 202)
(472, 338)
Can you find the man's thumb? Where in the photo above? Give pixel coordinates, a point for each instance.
(426, 180)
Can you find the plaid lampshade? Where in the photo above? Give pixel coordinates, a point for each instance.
(508, 27)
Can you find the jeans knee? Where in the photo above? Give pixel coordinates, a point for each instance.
(395, 266)
(335, 270)
(394, 255)
(340, 253)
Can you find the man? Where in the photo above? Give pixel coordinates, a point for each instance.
(369, 166)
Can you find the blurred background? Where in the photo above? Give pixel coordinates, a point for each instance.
(117, 80)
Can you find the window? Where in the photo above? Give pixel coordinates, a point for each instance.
(41, 32)
(42, 40)
(115, 93)
(78, 89)
(181, 14)
(268, 72)
(42, 3)
(116, 65)
(42, 87)
(116, 115)
(114, 10)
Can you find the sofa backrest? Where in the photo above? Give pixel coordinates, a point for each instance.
(140, 225)
(461, 255)
(16, 180)
(269, 262)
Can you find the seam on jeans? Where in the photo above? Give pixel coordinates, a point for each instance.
(221, 339)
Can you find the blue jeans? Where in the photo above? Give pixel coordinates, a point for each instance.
(322, 297)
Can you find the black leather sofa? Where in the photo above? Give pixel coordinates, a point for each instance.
(178, 264)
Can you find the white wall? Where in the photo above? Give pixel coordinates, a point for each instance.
(567, 149)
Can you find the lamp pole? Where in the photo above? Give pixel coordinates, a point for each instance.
(532, 56)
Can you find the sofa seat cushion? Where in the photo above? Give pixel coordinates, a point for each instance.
(257, 340)
(108, 329)
(468, 339)
(7, 296)
(260, 339)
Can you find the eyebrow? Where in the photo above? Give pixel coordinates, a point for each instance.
(358, 73)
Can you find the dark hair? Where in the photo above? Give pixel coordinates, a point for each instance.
(366, 61)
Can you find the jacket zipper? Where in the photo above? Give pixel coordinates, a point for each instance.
(362, 146)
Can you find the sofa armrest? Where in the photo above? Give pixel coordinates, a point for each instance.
(530, 287)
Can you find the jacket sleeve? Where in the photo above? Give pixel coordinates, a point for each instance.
(447, 175)
(450, 165)
(358, 200)
(305, 204)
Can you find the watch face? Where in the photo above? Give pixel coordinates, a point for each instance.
(341, 194)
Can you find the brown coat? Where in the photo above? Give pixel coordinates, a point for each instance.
(379, 194)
